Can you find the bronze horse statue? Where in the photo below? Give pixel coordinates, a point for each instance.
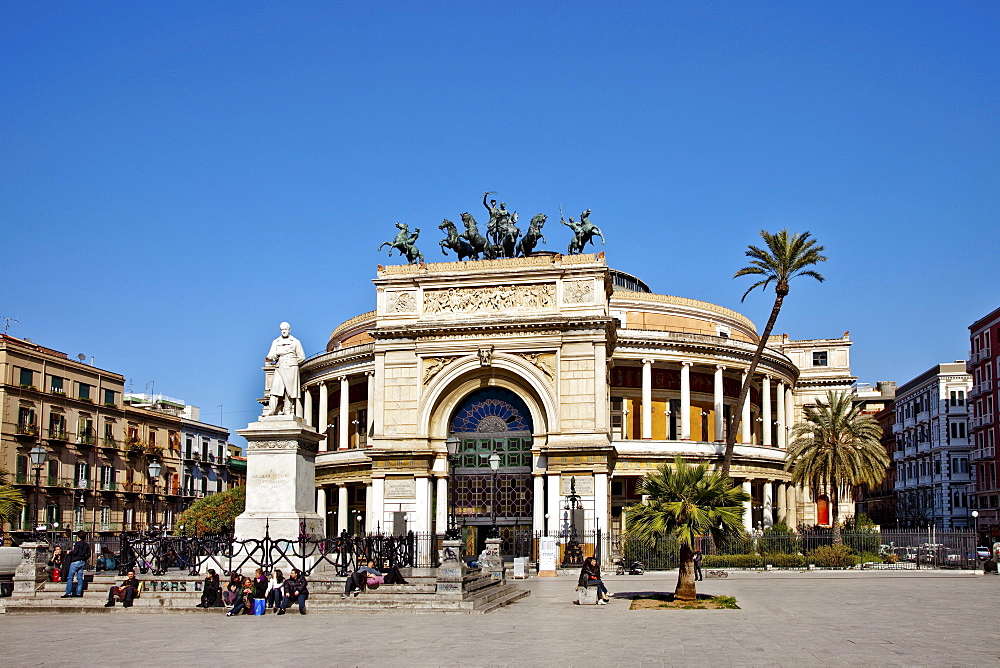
(405, 243)
(531, 237)
(479, 243)
(455, 242)
(583, 233)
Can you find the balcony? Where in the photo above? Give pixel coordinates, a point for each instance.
(109, 443)
(923, 416)
(133, 487)
(87, 439)
(107, 486)
(57, 435)
(897, 428)
(80, 483)
(26, 431)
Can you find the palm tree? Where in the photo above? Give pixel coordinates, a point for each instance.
(784, 258)
(11, 499)
(835, 449)
(684, 502)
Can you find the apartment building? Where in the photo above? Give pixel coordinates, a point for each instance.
(88, 458)
(933, 475)
(984, 368)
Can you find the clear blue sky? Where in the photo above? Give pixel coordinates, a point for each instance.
(178, 177)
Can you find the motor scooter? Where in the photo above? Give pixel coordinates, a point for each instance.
(635, 568)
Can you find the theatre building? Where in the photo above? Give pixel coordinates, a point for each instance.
(576, 376)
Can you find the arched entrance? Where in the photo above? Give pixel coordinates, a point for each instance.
(492, 420)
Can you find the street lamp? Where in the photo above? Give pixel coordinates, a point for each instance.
(975, 518)
(451, 443)
(154, 474)
(495, 467)
(37, 456)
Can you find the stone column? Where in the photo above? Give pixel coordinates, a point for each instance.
(376, 512)
(789, 410)
(281, 479)
(29, 574)
(321, 504)
(345, 415)
(423, 514)
(647, 399)
(766, 411)
(370, 405)
(343, 514)
(602, 509)
(782, 502)
(782, 434)
(555, 518)
(442, 508)
(685, 401)
(324, 411)
(308, 397)
(538, 513)
(791, 511)
(745, 420)
(768, 519)
(720, 411)
(748, 506)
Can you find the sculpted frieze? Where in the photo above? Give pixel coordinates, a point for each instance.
(540, 361)
(578, 292)
(434, 365)
(497, 299)
(288, 444)
(401, 302)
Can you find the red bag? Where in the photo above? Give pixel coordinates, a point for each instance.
(56, 575)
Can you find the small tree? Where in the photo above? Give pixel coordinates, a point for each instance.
(215, 514)
(11, 499)
(685, 502)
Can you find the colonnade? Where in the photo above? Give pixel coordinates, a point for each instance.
(322, 388)
(779, 418)
(777, 495)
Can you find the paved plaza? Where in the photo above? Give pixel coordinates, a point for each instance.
(786, 618)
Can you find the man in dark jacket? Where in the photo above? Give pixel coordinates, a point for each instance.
(77, 559)
(126, 593)
(296, 588)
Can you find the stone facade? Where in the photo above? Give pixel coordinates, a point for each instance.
(567, 369)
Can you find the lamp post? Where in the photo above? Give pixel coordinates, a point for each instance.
(37, 455)
(975, 518)
(495, 467)
(451, 443)
(154, 474)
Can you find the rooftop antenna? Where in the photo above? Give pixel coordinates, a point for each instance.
(6, 323)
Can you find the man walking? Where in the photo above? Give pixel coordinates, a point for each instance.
(697, 565)
(77, 559)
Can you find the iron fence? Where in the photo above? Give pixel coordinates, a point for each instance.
(871, 549)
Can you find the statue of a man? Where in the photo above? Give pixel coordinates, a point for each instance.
(285, 354)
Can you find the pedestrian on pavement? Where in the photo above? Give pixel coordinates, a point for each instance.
(125, 593)
(590, 576)
(77, 560)
(697, 565)
(296, 589)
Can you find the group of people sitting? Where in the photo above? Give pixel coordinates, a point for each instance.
(263, 590)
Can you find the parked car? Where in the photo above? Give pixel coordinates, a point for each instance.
(983, 553)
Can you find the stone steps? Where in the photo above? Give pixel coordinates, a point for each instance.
(481, 594)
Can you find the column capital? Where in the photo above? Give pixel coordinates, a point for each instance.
(687, 363)
(721, 367)
(647, 361)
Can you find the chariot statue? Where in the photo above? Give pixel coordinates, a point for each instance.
(405, 243)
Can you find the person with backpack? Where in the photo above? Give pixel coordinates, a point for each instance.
(77, 560)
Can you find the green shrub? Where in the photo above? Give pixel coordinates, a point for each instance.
(780, 539)
(215, 514)
(834, 556)
(732, 561)
(780, 560)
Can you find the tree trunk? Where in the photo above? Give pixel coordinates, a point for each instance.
(685, 590)
(835, 515)
(736, 419)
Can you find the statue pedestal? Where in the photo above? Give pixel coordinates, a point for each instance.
(30, 575)
(451, 572)
(490, 560)
(281, 480)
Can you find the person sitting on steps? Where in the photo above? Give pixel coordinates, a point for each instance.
(296, 589)
(357, 580)
(125, 593)
(210, 589)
